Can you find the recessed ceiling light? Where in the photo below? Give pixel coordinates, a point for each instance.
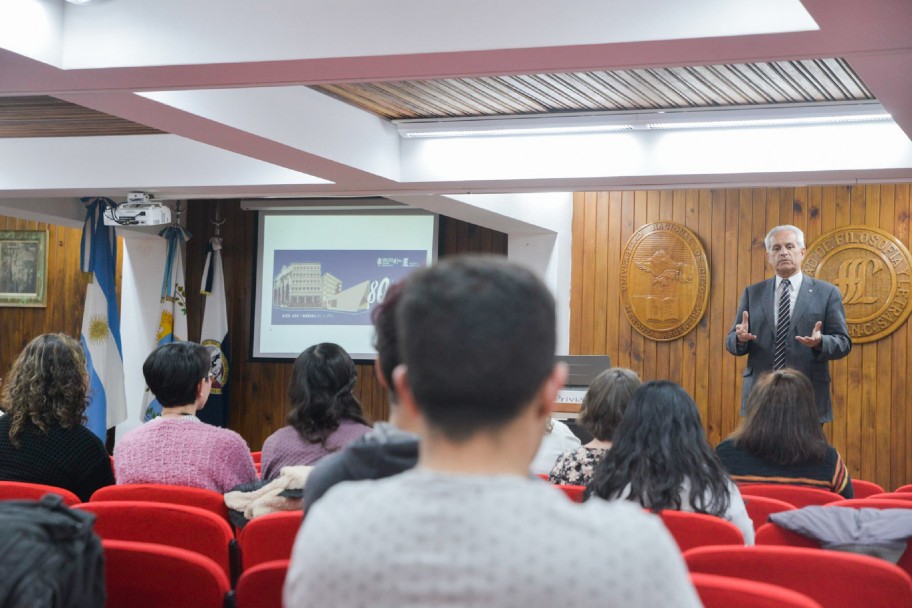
(78, 1)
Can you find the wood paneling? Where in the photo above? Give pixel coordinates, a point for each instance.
(872, 407)
(258, 389)
(65, 293)
(50, 117)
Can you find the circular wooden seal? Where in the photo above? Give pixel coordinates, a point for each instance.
(873, 271)
(664, 281)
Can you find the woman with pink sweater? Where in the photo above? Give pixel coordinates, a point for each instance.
(177, 448)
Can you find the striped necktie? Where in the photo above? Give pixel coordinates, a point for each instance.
(782, 326)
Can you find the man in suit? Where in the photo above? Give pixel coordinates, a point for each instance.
(813, 329)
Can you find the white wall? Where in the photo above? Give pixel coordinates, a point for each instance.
(143, 267)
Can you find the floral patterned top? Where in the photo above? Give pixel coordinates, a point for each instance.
(575, 467)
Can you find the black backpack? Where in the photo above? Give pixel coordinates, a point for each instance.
(49, 556)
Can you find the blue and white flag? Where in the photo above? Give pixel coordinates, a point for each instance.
(214, 334)
(100, 335)
(171, 324)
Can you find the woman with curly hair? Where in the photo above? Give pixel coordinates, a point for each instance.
(42, 437)
(661, 460)
(325, 414)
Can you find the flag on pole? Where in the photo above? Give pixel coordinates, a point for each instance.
(172, 318)
(214, 334)
(100, 336)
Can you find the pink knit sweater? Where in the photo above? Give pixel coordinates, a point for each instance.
(183, 452)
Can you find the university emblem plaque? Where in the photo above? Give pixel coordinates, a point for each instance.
(664, 281)
(873, 271)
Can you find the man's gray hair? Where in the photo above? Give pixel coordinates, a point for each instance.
(769, 235)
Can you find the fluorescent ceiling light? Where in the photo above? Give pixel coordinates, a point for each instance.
(606, 122)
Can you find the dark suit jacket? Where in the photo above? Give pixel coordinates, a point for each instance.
(817, 301)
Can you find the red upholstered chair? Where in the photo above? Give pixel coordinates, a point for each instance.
(832, 578)
(863, 489)
(20, 490)
(153, 492)
(893, 496)
(144, 575)
(175, 525)
(269, 537)
(261, 586)
(259, 468)
(759, 508)
(771, 534)
(258, 457)
(727, 592)
(905, 488)
(799, 496)
(698, 529)
(574, 493)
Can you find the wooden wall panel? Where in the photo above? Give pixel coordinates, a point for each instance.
(872, 406)
(65, 293)
(258, 389)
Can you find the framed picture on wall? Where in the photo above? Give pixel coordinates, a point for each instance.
(23, 268)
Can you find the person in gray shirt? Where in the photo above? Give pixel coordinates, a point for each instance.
(468, 526)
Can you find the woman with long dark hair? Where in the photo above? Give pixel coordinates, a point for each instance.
(780, 439)
(660, 459)
(42, 437)
(325, 414)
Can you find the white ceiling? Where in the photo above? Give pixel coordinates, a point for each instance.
(222, 80)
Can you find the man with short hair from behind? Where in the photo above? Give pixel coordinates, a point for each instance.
(392, 447)
(468, 526)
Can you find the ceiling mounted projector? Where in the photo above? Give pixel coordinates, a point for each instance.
(139, 210)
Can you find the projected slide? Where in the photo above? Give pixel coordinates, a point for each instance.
(319, 274)
(336, 287)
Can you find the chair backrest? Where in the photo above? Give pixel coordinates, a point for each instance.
(261, 586)
(893, 496)
(258, 457)
(574, 493)
(269, 537)
(145, 575)
(154, 492)
(863, 489)
(175, 525)
(832, 578)
(799, 496)
(905, 488)
(698, 529)
(725, 592)
(759, 508)
(771, 534)
(20, 490)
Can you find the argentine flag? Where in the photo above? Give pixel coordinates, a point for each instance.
(214, 334)
(100, 335)
(172, 318)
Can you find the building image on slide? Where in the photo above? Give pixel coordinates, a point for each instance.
(304, 285)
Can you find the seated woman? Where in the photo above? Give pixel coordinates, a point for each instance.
(602, 408)
(42, 437)
(177, 448)
(325, 414)
(660, 459)
(558, 438)
(780, 440)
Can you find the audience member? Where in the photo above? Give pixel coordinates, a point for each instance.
(177, 448)
(325, 414)
(468, 526)
(42, 437)
(391, 447)
(780, 439)
(600, 413)
(558, 438)
(660, 459)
